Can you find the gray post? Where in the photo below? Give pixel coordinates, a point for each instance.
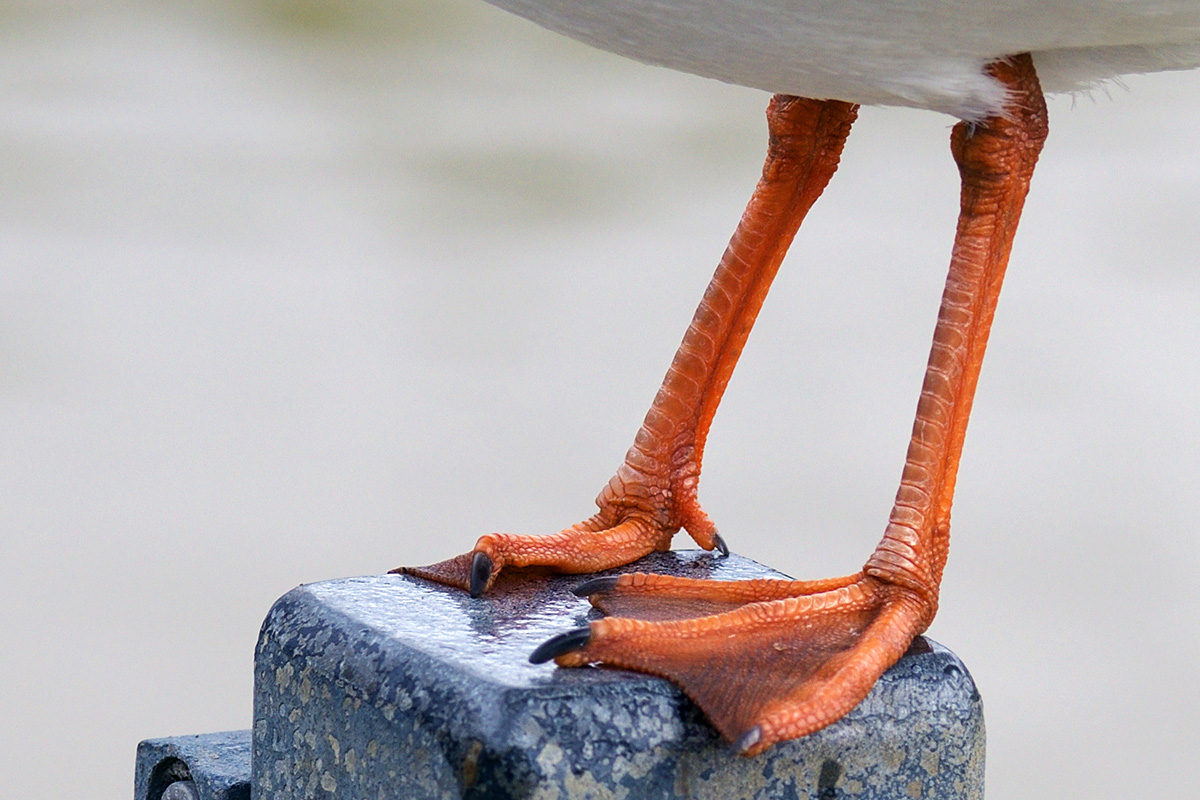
(211, 766)
(391, 687)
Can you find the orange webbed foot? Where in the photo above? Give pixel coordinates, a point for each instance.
(785, 659)
(591, 546)
(661, 597)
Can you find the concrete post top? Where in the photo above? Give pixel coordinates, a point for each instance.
(392, 684)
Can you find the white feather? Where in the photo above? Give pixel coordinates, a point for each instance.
(921, 53)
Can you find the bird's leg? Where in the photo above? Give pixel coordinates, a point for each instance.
(653, 494)
(771, 660)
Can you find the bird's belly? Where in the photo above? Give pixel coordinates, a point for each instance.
(922, 53)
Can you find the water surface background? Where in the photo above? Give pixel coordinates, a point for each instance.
(298, 290)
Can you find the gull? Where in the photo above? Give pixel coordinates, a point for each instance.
(773, 660)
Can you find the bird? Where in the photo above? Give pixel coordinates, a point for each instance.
(772, 660)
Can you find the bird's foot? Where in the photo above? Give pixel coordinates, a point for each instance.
(620, 534)
(653, 494)
(766, 660)
(653, 597)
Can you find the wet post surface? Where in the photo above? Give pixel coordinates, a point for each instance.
(392, 686)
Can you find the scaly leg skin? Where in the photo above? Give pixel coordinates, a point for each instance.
(653, 494)
(769, 661)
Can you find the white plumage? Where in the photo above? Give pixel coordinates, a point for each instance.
(920, 53)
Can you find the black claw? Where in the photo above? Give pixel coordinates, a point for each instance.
(722, 548)
(562, 643)
(593, 586)
(747, 740)
(481, 570)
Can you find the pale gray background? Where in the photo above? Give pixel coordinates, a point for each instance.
(290, 293)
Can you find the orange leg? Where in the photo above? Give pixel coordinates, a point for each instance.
(768, 660)
(653, 494)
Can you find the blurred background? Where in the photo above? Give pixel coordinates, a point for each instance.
(299, 289)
